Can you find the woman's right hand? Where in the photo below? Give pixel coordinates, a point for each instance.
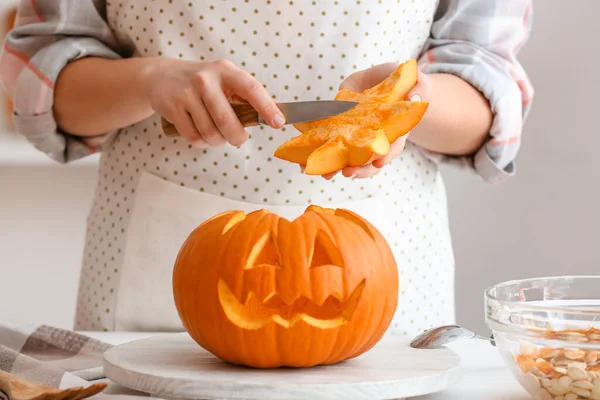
(194, 96)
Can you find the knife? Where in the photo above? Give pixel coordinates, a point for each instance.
(294, 112)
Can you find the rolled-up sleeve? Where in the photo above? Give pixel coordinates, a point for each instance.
(478, 41)
(49, 34)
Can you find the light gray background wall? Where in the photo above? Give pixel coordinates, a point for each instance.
(542, 222)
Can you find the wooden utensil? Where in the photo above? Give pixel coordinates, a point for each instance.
(21, 389)
(247, 115)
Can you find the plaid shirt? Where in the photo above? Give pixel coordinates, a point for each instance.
(477, 40)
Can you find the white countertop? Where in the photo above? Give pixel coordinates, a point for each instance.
(484, 376)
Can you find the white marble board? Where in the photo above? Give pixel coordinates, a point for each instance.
(174, 366)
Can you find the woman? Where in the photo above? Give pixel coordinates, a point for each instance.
(95, 75)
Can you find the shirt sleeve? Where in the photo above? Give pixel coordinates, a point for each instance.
(47, 35)
(478, 40)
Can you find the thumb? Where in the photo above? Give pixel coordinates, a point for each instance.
(352, 82)
(422, 90)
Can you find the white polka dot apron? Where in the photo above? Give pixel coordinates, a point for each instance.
(153, 190)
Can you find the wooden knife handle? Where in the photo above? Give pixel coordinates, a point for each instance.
(245, 113)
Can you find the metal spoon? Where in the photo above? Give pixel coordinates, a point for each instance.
(443, 335)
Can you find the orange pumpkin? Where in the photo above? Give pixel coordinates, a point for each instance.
(366, 131)
(261, 291)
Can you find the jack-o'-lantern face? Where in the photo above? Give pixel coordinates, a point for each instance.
(328, 275)
(263, 301)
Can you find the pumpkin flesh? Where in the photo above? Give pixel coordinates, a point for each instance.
(362, 133)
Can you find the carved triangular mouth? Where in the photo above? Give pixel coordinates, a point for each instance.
(253, 314)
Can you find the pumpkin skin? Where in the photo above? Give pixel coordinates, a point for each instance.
(362, 133)
(261, 291)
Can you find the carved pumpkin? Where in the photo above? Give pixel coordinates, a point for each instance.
(367, 130)
(261, 291)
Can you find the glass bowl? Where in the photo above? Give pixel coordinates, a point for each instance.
(548, 333)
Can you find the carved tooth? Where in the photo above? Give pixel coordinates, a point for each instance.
(254, 315)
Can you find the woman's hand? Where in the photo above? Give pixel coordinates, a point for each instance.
(368, 78)
(195, 96)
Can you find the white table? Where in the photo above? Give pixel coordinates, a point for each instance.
(484, 375)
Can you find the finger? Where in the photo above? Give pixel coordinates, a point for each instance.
(234, 98)
(422, 90)
(244, 85)
(224, 118)
(394, 152)
(352, 82)
(187, 128)
(205, 124)
(365, 171)
(330, 176)
(325, 176)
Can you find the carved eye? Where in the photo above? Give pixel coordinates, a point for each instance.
(264, 253)
(324, 252)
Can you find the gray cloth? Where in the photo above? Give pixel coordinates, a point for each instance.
(53, 357)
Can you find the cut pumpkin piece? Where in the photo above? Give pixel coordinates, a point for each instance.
(332, 156)
(396, 86)
(362, 149)
(304, 126)
(343, 95)
(408, 114)
(353, 138)
(338, 153)
(299, 148)
(347, 95)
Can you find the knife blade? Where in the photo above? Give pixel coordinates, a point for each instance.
(304, 111)
(294, 112)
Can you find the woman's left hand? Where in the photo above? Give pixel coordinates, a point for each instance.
(368, 78)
